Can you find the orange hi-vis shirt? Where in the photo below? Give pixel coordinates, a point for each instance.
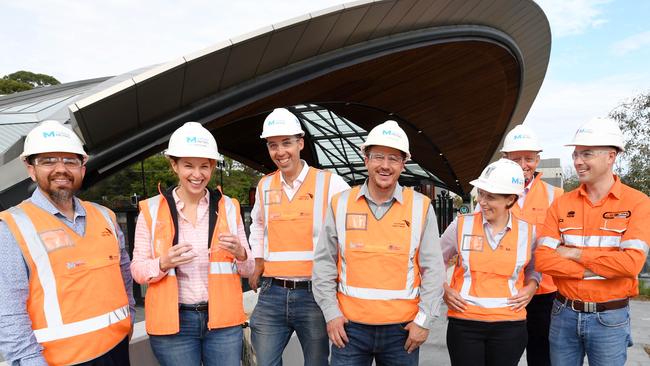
(613, 235)
(378, 271)
(77, 302)
(537, 201)
(487, 277)
(225, 298)
(292, 226)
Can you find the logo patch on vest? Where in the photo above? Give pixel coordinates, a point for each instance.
(355, 221)
(571, 214)
(617, 215)
(472, 243)
(273, 197)
(56, 239)
(306, 196)
(106, 232)
(402, 223)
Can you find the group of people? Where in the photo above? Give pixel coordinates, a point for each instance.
(359, 274)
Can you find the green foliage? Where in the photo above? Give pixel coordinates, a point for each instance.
(570, 179)
(117, 190)
(634, 119)
(25, 80)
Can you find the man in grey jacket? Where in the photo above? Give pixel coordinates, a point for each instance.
(378, 269)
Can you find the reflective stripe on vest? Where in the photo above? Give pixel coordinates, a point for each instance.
(317, 223)
(56, 329)
(522, 254)
(591, 241)
(410, 291)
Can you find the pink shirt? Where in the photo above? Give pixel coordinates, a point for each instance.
(192, 277)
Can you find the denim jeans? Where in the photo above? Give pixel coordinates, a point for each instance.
(603, 336)
(278, 313)
(383, 343)
(196, 345)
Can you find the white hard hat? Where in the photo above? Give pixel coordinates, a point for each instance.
(501, 177)
(599, 132)
(521, 138)
(388, 134)
(52, 136)
(192, 140)
(281, 122)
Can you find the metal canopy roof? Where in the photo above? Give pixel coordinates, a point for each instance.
(456, 75)
(336, 140)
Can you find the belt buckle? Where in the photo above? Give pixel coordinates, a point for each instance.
(587, 307)
(290, 284)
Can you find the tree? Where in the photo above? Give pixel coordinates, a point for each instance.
(634, 120)
(25, 80)
(570, 179)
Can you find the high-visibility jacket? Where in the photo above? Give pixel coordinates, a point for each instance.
(378, 271)
(537, 201)
(291, 227)
(613, 235)
(77, 301)
(487, 277)
(225, 300)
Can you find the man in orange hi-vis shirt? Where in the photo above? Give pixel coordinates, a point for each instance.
(594, 243)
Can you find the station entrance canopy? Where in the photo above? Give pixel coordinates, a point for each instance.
(456, 75)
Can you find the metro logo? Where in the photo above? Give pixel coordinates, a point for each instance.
(48, 134)
(390, 133)
(516, 180)
(522, 136)
(190, 140)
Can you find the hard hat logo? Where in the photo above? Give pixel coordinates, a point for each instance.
(516, 180)
(47, 134)
(520, 137)
(197, 140)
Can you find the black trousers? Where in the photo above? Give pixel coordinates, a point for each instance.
(118, 356)
(476, 343)
(538, 321)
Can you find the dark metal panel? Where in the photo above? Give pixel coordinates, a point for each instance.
(244, 59)
(313, 37)
(109, 118)
(160, 95)
(409, 21)
(370, 21)
(393, 18)
(203, 75)
(281, 46)
(345, 24)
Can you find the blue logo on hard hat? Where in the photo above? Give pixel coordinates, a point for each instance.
(522, 136)
(47, 134)
(516, 180)
(196, 140)
(390, 133)
(274, 122)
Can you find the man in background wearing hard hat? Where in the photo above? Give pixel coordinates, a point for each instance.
(65, 287)
(594, 243)
(287, 216)
(522, 147)
(378, 269)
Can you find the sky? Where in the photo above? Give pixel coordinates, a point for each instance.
(600, 54)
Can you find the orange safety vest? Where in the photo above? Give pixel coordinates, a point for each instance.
(486, 278)
(225, 299)
(77, 302)
(291, 227)
(615, 224)
(379, 275)
(538, 199)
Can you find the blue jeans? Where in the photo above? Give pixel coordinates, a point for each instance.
(384, 343)
(278, 313)
(196, 345)
(603, 336)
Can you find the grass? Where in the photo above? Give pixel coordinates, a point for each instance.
(644, 291)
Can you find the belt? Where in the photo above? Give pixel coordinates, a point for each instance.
(202, 306)
(592, 307)
(302, 285)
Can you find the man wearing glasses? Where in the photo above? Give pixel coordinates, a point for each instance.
(594, 243)
(287, 217)
(522, 147)
(378, 268)
(65, 287)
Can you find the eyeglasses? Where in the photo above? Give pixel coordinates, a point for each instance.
(526, 159)
(587, 154)
(51, 161)
(286, 144)
(379, 158)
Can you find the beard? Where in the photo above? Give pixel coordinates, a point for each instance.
(62, 194)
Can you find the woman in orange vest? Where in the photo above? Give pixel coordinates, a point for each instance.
(494, 276)
(191, 250)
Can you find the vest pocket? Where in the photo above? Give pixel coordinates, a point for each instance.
(387, 263)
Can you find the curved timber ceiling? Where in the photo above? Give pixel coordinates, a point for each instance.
(456, 74)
